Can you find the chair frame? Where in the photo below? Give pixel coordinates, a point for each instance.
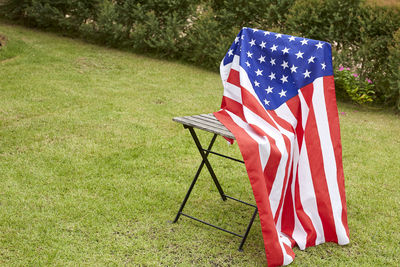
(208, 123)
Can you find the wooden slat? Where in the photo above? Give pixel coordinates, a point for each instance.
(204, 126)
(206, 122)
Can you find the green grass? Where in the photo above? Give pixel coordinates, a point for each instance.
(92, 166)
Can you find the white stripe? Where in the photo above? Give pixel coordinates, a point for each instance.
(328, 156)
(306, 186)
(276, 190)
(233, 92)
(287, 259)
(246, 84)
(263, 144)
(304, 110)
(290, 135)
(307, 194)
(299, 234)
(284, 112)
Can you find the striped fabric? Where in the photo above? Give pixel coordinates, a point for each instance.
(292, 155)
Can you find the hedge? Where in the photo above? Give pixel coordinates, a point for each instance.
(365, 38)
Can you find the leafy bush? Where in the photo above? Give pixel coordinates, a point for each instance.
(364, 38)
(349, 84)
(361, 36)
(156, 25)
(394, 73)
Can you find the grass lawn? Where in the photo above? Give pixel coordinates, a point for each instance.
(92, 166)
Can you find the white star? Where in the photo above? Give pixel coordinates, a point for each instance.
(252, 42)
(248, 64)
(266, 102)
(307, 74)
(257, 84)
(304, 42)
(242, 37)
(261, 59)
(319, 45)
(291, 38)
(278, 35)
(282, 93)
(285, 50)
(311, 59)
(269, 89)
(250, 55)
(230, 52)
(272, 76)
(293, 69)
(236, 40)
(274, 48)
(284, 79)
(323, 66)
(255, 30)
(258, 72)
(263, 44)
(285, 64)
(272, 61)
(299, 54)
(266, 33)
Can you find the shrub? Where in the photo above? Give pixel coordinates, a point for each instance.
(394, 74)
(156, 25)
(360, 35)
(364, 38)
(349, 84)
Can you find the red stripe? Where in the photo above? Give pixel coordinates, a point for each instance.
(333, 119)
(294, 105)
(318, 174)
(272, 165)
(305, 221)
(288, 160)
(289, 251)
(287, 224)
(233, 106)
(283, 123)
(247, 147)
(274, 159)
(234, 77)
(254, 105)
(248, 99)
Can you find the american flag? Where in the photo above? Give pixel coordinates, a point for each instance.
(279, 102)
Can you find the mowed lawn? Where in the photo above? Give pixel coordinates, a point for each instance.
(92, 167)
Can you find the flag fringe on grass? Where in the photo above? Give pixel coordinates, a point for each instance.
(279, 102)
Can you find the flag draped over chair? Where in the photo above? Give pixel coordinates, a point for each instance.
(279, 102)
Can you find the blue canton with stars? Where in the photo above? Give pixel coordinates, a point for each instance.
(278, 65)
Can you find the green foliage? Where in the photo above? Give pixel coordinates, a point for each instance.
(394, 71)
(256, 14)
(334, 21)
(156, 25)
(206, 41)
(15, 9)
(362, 36)
(349, 84)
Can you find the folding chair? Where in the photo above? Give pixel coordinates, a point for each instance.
(209, 123)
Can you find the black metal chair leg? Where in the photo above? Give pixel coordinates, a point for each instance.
(194, 181)
(208, 165)
(248, 230)
(204, 154)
